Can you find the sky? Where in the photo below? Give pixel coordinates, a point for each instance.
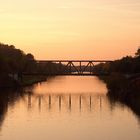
(71, 29)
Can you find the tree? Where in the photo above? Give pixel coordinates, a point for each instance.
(30, 56)
(138, 52)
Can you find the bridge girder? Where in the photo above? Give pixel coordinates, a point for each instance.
(70, 67)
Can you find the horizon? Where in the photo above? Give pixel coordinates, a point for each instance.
(72, 29)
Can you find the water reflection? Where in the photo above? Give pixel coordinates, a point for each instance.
(8, 99)
(70, 102)
(132, 103)
(63, 101)
(82, 113)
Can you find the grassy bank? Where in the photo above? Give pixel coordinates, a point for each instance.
(122, 90)
(7, 82)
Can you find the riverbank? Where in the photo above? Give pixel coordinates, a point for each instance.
(122, 86)
(8, 82)
(124, 90)
(30, 80)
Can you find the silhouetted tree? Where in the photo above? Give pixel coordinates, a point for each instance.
(126, 65)
(15, 61)
(138, 52)
(30, 56)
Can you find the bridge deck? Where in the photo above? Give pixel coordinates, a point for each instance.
(63, 61)
(67, 74)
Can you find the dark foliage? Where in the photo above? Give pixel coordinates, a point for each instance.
(126, 65)
(13, 60)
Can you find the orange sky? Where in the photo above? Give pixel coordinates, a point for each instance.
(71, 29)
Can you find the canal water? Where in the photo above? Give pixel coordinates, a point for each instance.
(66, 108)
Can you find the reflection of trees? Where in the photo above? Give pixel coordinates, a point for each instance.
(3, 108)
(8, 98)
(132, 102)
(124, 91)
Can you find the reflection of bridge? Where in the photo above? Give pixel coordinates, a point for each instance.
(70, 67)
(71, 101)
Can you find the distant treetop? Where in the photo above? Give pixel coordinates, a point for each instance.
(138, 52)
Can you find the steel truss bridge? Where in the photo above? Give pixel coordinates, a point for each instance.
(70, 67)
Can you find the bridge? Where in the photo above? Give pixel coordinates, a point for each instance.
(69, 67)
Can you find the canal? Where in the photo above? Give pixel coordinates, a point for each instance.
(66, 108)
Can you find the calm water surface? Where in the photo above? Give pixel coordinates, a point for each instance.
(66, 108)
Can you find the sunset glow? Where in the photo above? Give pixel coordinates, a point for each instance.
(74, 29)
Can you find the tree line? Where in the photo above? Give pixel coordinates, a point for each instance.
(14, 61)
(125, 65)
